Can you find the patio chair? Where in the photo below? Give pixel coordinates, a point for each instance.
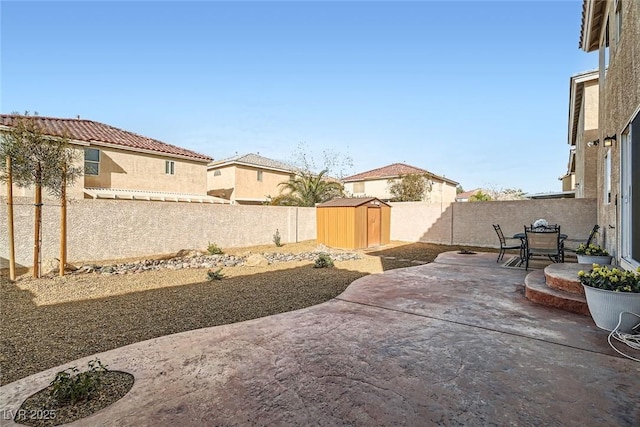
(503, 243)
(589, 240)
(543, 242)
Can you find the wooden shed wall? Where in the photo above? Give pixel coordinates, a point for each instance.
(385, 233)
(336, 227)
(360, 228)
(346, 227)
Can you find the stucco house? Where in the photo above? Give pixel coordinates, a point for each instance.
(248, 179)
(119, 164)
(581, 176)
(376, 182)
(612, 27)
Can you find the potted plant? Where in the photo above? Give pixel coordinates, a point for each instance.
(593, 254)
(609, 292)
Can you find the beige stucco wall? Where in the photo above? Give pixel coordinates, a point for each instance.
(111, 229)
(248, 186)
(471, 223)
(244, 181)
(619, 99)
(586, 178)
(129, 170)
(226, 180)
(441, 192)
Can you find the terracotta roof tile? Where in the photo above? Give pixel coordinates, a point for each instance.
(393, 171)
(92, 131)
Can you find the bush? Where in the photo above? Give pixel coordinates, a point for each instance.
(71, 385)
(215, 275)
(323, 261)
(214, 249)
(276, 238)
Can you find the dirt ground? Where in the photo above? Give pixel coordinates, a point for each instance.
(54, 320)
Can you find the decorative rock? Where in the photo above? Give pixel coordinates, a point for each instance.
(196, 259)
(256, 260)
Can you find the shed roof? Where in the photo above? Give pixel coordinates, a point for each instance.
(349, 202)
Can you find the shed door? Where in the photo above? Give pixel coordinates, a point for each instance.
(373, 227)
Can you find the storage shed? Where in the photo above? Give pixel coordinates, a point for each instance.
(353, 223)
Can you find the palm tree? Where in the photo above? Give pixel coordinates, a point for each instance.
(307, 189)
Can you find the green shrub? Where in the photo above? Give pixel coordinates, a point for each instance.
(276, 238)
(71, 385)
(214, 249)
(323, 261)
(215, 275)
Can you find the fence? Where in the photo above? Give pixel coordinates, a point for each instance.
(112, 229)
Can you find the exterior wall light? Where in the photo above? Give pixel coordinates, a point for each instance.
(609, 140)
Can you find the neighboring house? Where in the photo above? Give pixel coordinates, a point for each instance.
(248, 179)
(581, 176)
(123, 165)
(612, 27)
(375, 183)
(465, 195)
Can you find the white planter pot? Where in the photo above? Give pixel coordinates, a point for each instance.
(606, 306)
(594, 259)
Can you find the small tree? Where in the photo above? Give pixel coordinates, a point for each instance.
(307, 189)
(479, 196)
(459, 189)
(41, 161)
(408, 188)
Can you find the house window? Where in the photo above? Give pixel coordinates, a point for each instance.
(217, 173)
(607, 177)
(170, 167)
(259, 176)
(358, 187)
(605, 49)
(91, 161)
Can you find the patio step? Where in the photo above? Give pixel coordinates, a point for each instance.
(564, 276)
(536, 290)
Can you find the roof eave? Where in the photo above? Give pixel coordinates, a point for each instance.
(592, 14)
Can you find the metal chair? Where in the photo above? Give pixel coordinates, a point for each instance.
(543, 242)
(503, 243)
(589, 240)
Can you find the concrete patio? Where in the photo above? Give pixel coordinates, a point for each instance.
(454, 342)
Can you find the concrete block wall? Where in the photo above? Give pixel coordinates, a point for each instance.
(112, 229)
(471, 223)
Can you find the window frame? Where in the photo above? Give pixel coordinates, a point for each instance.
(91, 161)
(169, 167)
(357, 185)
(259, 176)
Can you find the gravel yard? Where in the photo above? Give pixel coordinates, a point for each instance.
(54, 320)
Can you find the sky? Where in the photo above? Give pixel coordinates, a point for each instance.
(476, 91)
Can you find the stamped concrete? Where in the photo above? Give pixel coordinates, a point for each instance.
(437, 344)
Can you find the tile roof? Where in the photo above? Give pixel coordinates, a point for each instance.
(393, 171)
(96, 132)
(254, 160)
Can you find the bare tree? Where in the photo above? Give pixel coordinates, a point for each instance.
(38, 160)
